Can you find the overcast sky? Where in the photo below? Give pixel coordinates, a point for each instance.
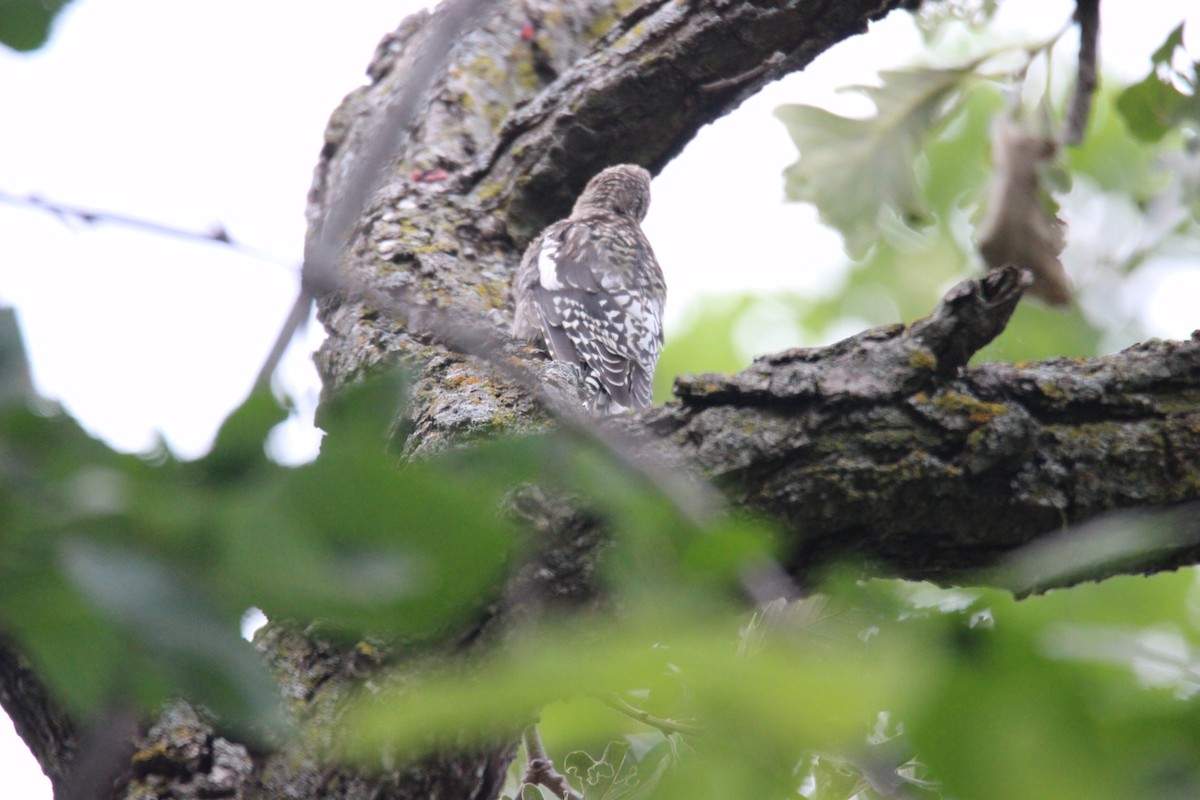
(194, 114)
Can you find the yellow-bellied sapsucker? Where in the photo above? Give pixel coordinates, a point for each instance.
(590, 288)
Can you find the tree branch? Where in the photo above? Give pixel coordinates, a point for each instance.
(1087, 14)
(44, 726)
(880, 450)
(656, 76)
(91, 216)
(883, 448)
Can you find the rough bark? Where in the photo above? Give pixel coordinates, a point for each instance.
(882, 448)
(43, 726)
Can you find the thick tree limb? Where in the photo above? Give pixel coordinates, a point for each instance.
(535, 101)
(531, 100)
(40, 722)
(848, 448)
(879, 449)
(612, 105)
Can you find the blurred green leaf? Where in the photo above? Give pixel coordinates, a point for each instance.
(200, 649)
(1156, 105)
(1037, 332)
(531, 792)
(16, 383)
(1113, 157)
(25, 24)
(853, 168)
(82, 658)
(835, 780)
(361, 544)
(1166, 51)
(238, 448)
(360, 541)
(833, 693)
(1024, 712)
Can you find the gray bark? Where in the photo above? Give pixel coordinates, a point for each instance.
(883, 449)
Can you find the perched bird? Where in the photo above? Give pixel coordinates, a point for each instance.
(590, 288)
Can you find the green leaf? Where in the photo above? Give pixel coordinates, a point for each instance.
(201, 651)
(934, 20)
(25, 24)
(837, 690)
(16, 384)
(612, 776)
(853, 169)
(238, 447)
(1037, 331)
(531, 792)
(72, 647)
(702, 341)
(363, 543)
(1056, 682)
(1156, 105)
(1166, 51)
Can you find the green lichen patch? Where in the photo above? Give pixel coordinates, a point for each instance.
(601, 25)
(493, 293)
(923, 359)
(1053, 391)
(976, 411)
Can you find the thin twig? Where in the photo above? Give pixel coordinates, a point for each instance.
(293, 323)
(539, 769)
(666, 726)
(773, 61)
(368, 170)
(91, 216)
(1087, 14)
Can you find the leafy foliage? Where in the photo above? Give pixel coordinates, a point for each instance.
(904, 259)
(124, 577)
(934, 18)
(25, 24)
(1167, 97)
(852, 169)
(1083, 692)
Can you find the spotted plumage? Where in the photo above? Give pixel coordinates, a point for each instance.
(590, 288)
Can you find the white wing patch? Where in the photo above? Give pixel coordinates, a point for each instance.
(548, 267)
(596, 293)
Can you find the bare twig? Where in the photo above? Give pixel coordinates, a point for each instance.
(1087, 14)
(539, 769)
(666, 726)
(91, 216)
(774, 61)
(368, 171)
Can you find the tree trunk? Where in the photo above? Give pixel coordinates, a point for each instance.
(884, 449)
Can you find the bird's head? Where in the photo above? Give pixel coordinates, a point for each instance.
(623, 189)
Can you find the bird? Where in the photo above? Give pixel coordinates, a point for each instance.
(590, 289)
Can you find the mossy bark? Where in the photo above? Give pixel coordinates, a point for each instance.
(884, 449)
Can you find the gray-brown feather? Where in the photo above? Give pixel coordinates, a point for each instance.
(590, 288)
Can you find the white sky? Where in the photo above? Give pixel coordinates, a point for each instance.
(196, 113)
